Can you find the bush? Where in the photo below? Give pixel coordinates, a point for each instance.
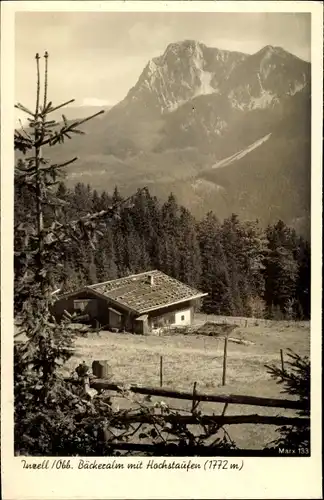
(296, 382)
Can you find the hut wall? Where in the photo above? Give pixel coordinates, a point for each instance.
(141, 325)
(84, 303)
(110, 316)
(178, 314)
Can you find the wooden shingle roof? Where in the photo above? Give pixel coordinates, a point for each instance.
(146, 291)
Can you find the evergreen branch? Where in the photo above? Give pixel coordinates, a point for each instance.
(23, 168)
(50, 110)
(38, 86)
(21, 143)
(80, 122)
(28, 136)
(83, 224)
(47, 108)
(23, 108)
(45, 80)
(50, 123)
(65, 130)
(56, 202)
(58, 165)
(76, 131)
(52, 183)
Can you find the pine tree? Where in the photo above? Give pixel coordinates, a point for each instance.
(41, 395)
(281, 272)
(189, 251)
(92, 270)
(105, 257)
(254, 250)
(119, 247)
(232, 245)
(105, 201)
(295, 380)
(303, 279)
(215, 279)
(96, 201)
(24, 199)
(63, 195)
(154, 231)
(82, 200)
(170, 231)
(116, 197)
(245, 246)
(71, 278)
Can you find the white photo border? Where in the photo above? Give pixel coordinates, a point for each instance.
(286, 477)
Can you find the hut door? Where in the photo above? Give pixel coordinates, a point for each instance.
(115, 319)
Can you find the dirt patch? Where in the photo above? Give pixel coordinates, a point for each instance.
(208, 329)
(211, 329)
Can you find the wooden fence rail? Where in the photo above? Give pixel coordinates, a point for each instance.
(162, 449)
(219, 419)
(102, 384)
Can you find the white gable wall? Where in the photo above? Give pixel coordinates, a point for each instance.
(183, 317)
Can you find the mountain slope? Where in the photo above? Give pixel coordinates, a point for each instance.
(271, 178)
(265, 77)
(192, 108)
(240, 154)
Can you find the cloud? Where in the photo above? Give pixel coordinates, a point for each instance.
(94, 101)
(141, 36)
(103, 54)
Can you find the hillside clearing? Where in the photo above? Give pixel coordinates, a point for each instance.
(186, 359)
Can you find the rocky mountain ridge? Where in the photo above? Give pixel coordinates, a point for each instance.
(195, 106)
(189, 69)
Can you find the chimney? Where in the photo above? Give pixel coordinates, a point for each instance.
(151, 279)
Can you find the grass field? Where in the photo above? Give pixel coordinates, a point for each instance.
(188, 359)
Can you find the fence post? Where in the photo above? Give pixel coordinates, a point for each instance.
(194, 403)
(86, 384)
(224, 361)
(161, 371)
(282, 360)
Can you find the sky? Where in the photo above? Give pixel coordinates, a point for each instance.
(96, 58)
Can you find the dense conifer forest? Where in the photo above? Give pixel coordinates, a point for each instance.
(246, 270)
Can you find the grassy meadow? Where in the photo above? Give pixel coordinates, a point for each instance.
(196, 358)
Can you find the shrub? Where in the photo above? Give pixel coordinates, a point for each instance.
(296, 382)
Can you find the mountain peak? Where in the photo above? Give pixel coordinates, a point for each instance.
(187, 44)
(270, 50)
(188, 69)
(185, 70)
(195, 106)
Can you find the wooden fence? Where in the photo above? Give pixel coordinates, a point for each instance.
(161, 363)
(196, 397)
(100, 381)
(246, 321)
(105, 384)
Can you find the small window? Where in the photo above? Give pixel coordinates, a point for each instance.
(182, 317)
(81, 305)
